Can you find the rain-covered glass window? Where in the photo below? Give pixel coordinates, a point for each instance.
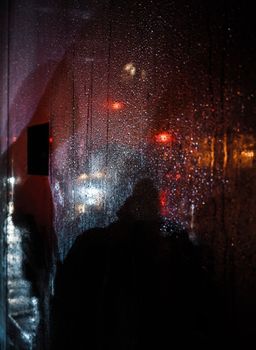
(98, 97)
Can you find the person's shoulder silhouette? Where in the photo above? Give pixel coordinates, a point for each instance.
(127, 286)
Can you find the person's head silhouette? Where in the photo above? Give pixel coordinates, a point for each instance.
(143, 204)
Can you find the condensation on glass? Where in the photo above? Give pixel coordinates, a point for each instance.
(130, 89)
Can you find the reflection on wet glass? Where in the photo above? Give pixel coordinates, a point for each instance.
(133, 89)
(23, 308)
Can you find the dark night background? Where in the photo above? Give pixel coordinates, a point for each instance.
(127, 90)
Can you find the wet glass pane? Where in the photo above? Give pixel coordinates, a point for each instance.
(3, 177)
(131, 90)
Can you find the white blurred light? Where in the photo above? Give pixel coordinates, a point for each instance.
(11, 180)
(19, 298)
(10, 207)
(98, 175)
(92, 195)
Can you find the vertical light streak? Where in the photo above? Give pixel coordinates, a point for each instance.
(212, 152)
(225, 151)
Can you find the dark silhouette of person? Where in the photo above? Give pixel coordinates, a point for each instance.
(128, 286)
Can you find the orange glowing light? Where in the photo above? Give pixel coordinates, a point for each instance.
(117, 106)
(164, 137)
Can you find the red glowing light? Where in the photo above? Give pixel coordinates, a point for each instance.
(163, 198)
(50, 139)
(164, 137)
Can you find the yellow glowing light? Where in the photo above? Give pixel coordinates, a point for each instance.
(130, 69)
(80, 208)
(96, 175)
(83, 177)
(247, 154)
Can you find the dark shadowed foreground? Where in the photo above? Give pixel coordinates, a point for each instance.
(137, 284)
